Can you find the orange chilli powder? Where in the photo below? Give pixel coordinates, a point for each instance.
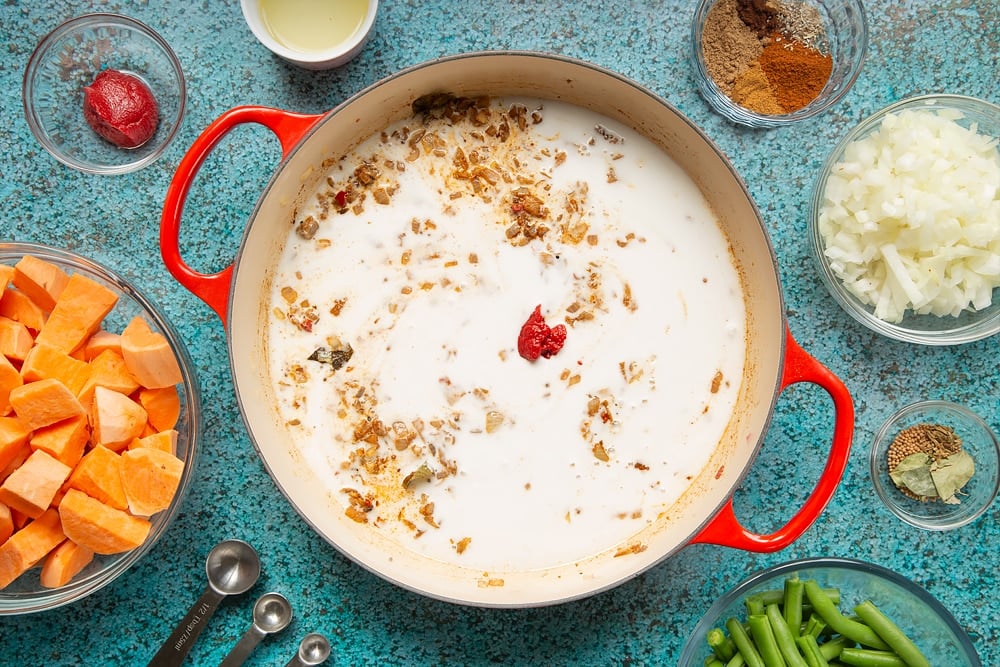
(797, 73)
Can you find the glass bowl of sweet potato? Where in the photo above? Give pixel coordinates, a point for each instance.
(99, 424)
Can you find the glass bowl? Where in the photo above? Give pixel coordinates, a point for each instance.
(925, 620)
(847, 41)
(68, 59)
(977, 439)
(26, 594)
(924, 329)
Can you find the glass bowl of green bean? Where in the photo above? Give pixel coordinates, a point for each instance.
(843, 610)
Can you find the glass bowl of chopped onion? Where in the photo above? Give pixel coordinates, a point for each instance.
(935, 465)
(69, 60)
(768, 65)
(905, 220)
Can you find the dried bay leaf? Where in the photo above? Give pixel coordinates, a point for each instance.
(952, 473)
(913, 473)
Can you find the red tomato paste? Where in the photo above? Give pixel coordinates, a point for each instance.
(537, 339)
(121, 108)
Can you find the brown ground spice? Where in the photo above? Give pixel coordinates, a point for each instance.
(728, 44)
(761, 16)
(797, 73)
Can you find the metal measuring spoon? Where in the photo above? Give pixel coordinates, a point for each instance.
(314, 649)
(271, 613)
(233, 567)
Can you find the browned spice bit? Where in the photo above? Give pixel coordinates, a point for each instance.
(307, 228)
(462, 545)
(600, 452)
(716, 382)
(631, 549)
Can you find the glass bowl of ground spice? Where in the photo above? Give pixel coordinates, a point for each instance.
(935, 465)
(104, 94)
(769, 63)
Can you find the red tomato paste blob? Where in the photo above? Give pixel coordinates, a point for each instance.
(537, 339)
(121, 108)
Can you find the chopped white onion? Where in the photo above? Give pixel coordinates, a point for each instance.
(910, 218)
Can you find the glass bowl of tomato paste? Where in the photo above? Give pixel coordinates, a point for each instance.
(83, 494)
(69, 60)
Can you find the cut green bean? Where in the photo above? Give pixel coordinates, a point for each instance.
(754, 605)
(778, 595)
(712, 661)
(743, 643)
(721, 645)
(763, 637)
(810, 651)
(814, 626)
(791, 607)
(865, 657)
(851, 629)
(831, 649)
(891, 634)
(737, 661)
(783, 637)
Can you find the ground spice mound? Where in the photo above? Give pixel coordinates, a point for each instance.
(761, 16)
(753, 91)
(803, 71)
(728, 44)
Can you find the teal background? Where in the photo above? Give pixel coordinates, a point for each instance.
(916, 46)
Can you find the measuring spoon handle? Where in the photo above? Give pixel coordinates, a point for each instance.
(180, 641)
(244, 647)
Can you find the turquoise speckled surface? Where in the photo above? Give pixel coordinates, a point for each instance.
(917, 46)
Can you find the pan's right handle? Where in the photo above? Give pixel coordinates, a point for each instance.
(213, 288)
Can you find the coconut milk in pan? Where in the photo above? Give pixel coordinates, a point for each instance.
(395, 312)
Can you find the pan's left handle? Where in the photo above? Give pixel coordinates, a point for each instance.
(213, 288)
(726, 530)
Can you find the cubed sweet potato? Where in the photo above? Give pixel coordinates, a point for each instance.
(42, 281)
(14, 435)
(44, 402)
(150, 478)
(64, 440)
(162, 405)
(18, 306)
(148, 355)
(63, 563)
(31, 488)
(108, 370)
(101, 340)
(6, 523)
(116, 419)
(29, 545)
(99, 527)
(99, 475)
(45, 361)
(165, 441)
(15, 339)
(77, 314)
(6, 275)
(10, 378)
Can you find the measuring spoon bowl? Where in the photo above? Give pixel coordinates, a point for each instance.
(314, 649)
(232, 568)
(271, 613)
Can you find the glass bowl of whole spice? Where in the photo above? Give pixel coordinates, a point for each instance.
(769, 63)
(935, 465)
